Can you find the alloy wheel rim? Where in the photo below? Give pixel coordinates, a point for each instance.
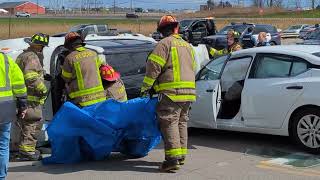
(308, 131)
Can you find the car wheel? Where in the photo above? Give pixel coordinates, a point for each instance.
(272, 43)
(305, 129)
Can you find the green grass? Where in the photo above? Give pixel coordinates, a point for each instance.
(58, 21)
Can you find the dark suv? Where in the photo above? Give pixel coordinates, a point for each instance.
(127, 56)
(193, 30)
(219, 41)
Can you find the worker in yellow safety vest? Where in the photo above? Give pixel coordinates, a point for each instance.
(13, 95)
(170, 71)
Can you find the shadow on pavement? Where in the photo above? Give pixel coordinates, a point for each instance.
(116, 162)
(248, 143)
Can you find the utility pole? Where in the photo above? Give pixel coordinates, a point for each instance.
(37, 7)
(114, 6)
(131, 5)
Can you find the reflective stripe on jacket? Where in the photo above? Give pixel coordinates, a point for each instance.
(32, 68)
(170, 70)
(216, 53)
(81, 72)
(12, 86)
(116, 90)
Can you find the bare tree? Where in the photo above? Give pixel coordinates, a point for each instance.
(313, 2)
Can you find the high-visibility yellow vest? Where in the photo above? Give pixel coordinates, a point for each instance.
(11, 85)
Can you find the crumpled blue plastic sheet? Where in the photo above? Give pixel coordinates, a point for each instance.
(92, 133)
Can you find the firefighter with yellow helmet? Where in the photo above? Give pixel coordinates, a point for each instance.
(30, 62)
(233, 44)
(170, 72)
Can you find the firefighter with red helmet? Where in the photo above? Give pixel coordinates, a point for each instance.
(170, 72)
(113, 86)
(80, 72)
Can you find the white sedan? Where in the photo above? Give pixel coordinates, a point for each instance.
(268, 90)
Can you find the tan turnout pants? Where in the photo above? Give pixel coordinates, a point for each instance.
(173, 117)
(30, 128)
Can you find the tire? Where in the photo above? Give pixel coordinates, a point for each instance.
(305, 129)
(272, 43)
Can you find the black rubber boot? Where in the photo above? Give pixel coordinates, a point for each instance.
(29, 156)
(169, 166)
(182, 161)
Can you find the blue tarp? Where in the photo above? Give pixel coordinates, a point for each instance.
(92, 133)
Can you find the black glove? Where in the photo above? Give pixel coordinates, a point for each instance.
(47, 77)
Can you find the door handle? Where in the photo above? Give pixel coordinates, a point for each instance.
(209, 90)
(295, 87)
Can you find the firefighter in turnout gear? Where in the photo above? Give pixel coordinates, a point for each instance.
(31, 64)
(232, 45)
(13, 94)
(170, 72)
(80, 72)
(113, 85)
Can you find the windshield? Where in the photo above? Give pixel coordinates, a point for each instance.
(213, 69)
(240, 29)
(294, 27)
(185, 23)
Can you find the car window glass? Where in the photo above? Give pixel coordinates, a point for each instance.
(213, 69)
(298, 68)
(235, 70)
(258, 29)
(128, 63)
(101, 28)
(273, 67)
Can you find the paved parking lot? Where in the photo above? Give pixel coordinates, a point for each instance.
(217, 155)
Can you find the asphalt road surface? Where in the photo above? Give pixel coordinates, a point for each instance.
(216, 155)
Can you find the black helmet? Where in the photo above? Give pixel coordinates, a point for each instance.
(39, 39)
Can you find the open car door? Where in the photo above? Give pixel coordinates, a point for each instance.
(204, 111)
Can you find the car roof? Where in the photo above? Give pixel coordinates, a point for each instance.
(302, 51)
(119, 45)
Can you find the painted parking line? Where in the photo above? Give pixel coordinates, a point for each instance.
(289, 170)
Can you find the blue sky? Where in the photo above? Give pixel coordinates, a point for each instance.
(164, 4)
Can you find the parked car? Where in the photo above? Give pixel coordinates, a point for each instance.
(23, 14)
(267, 90)
(219, 41)
(157, 36)
(193, 30)
(131, 15)
(99, 29)
(307, 31)
(312, 39)
(293, 31)
(14, 47)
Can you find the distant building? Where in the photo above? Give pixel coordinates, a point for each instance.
(23, 6)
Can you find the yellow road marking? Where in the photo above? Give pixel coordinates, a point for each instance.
(288, 170)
